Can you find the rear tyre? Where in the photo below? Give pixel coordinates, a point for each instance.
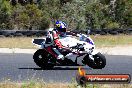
(43, 59)
(98, 63)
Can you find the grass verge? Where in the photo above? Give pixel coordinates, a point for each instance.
(17, 42)
(100, 41)
(109, 40)
(60, 85)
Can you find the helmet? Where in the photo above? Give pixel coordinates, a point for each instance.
(60, 26)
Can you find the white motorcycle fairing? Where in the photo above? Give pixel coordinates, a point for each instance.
(81, 52)
(75, 58)
(88, 47)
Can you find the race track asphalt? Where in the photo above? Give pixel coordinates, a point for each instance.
(21, 67)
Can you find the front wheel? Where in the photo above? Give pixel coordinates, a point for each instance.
(98, 63)
(43, 59)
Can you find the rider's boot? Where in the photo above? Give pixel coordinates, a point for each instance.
(60, 59)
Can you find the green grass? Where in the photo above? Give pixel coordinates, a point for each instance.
(100, 41)
(109, 40)
(16, 42)
(60, 85)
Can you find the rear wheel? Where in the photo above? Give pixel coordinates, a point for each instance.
(98, 63)
(44, 59)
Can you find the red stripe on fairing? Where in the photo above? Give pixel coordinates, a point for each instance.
(49, 49)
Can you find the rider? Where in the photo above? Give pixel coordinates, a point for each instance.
(53, 45)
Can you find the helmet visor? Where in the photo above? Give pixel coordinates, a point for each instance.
(61, 29)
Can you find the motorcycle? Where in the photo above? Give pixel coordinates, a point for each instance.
(82, 52)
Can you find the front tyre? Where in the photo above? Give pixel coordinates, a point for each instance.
(98, 63)
(42, 58)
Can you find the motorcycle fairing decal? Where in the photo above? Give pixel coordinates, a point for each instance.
(91, 43)
(89, 40)
(79, 53)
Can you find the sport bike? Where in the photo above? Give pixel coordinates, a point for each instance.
(81, 52)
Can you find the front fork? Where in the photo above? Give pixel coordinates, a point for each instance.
(91, 53)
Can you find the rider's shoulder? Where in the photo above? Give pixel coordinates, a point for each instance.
(50, 29)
